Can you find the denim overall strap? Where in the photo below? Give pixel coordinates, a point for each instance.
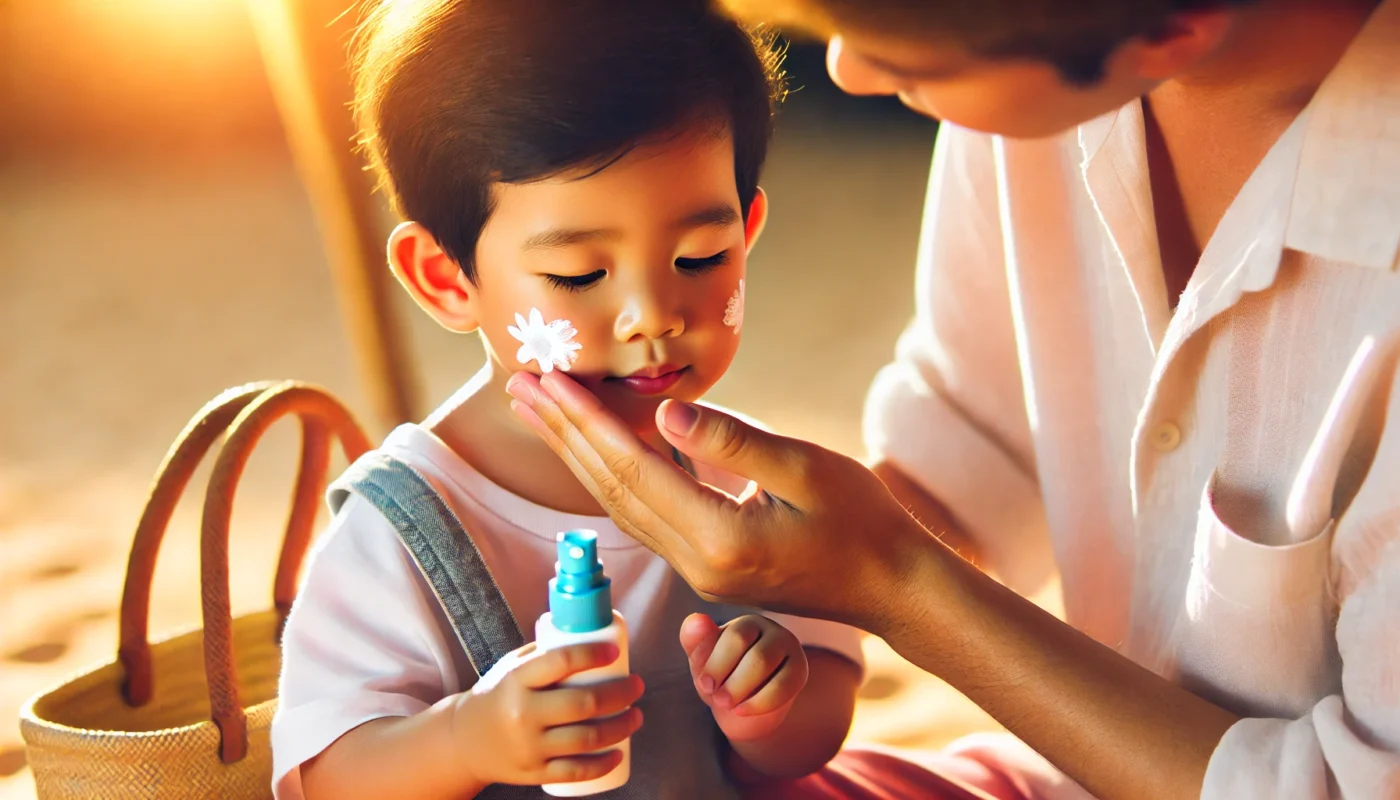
(444, 553)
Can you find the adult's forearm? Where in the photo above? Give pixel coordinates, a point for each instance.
(1117, 728)
(928, 510)
(814, 729)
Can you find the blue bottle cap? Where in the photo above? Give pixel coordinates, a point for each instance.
(580, 595)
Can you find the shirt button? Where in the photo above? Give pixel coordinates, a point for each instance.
(1165, 437)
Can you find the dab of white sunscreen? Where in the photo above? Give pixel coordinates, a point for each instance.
(581, 612)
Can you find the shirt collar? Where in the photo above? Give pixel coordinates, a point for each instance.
(1095, 132)
(1115, 173)
(1346, 199)
(1344, 202)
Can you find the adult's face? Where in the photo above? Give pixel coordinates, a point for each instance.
(1018, 97)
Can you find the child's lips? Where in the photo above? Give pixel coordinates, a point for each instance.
(652, 381)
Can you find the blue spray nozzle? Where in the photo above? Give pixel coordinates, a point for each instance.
(578, 555)
(580, 595)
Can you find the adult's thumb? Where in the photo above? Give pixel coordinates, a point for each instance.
(779, 464)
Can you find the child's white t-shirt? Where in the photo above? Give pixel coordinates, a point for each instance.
(366, 638)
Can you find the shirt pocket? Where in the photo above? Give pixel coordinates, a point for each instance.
(1258, 631)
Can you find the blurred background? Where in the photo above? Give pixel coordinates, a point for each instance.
(158, 244)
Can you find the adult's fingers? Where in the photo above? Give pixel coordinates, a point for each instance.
(585, 459)
(590, 737)
(542, 669)
(779, 464)
(529, 417)
(569, 704)
(538, 410)
(640, 488)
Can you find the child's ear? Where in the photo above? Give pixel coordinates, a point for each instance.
(758, 217)
(434, 280)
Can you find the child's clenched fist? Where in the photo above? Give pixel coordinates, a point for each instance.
(748, 672)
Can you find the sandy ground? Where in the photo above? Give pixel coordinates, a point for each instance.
(132, 293)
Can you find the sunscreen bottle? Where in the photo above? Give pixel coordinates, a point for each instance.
(581, 612)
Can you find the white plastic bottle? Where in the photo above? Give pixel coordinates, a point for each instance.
(581, 612)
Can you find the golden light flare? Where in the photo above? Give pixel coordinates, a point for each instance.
(195, 22)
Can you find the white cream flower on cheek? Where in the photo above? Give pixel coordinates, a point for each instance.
(734, 310)
(548, 344)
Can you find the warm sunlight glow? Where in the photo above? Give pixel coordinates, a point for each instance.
(197, 24)
(146, 74)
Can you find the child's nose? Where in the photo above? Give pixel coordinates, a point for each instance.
(646, 316)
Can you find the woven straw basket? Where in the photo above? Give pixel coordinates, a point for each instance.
(182, 717)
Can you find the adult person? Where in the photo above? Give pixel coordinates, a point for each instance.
(1158, 317)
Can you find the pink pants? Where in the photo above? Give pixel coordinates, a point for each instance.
(990, 767)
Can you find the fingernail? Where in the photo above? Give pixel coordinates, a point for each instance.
(680, 418)
(521, 390)
(722, 699)
(610, 652)
(547, 384)
(707, 684)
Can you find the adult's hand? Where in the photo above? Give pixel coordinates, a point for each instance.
(822, 537)
(816, 533)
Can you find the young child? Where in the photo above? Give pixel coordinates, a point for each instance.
(581, 180)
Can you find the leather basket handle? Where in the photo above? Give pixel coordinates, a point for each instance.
(183, 458)
(319, 417)
(322, 416)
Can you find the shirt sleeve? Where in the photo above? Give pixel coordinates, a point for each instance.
(361, 643)
(1348, 744)
(949, 411)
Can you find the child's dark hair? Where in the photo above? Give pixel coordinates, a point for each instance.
(1074, 36)
(452, 96)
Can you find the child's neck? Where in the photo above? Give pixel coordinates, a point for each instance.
(485, 433)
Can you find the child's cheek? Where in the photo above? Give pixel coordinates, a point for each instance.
(529, 337)
(596, 338)
(719, 355)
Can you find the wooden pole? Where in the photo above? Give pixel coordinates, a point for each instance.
(303, 44)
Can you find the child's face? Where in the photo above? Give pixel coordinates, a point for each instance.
(644, 260)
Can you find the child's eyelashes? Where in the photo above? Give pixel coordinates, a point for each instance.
(576, 283)
(703, 264)
(694, 266)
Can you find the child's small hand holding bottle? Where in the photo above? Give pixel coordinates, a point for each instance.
(526, 729)
(517, 725)
(749, 672)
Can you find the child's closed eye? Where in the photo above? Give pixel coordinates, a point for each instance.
(576, 283)
(697, 265)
